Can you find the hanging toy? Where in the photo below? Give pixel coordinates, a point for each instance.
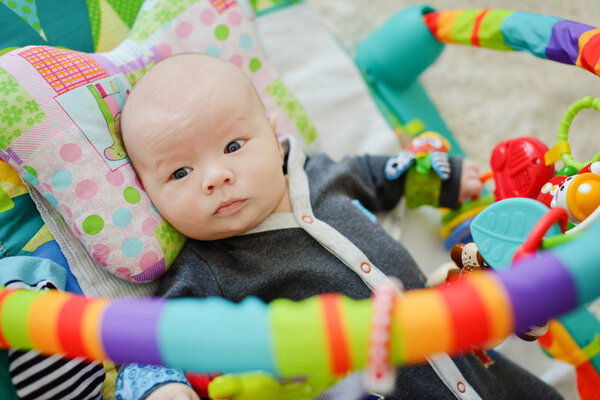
(579, 194)
(428, 152)
(468, 258)
(562, 149)
(518, 168)
(550, 189)
(577, 188)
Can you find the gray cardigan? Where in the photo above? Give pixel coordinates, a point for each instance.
(340, 250)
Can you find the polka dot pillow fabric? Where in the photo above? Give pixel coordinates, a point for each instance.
(57, 125)
(26, 10)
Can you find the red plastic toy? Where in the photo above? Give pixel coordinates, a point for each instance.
(519, 169)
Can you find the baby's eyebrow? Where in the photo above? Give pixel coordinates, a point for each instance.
(158, 162)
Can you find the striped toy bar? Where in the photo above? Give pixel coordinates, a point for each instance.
(323, 336)
(544, 36)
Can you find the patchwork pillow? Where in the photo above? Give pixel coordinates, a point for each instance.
(91, 25)
(58, 130)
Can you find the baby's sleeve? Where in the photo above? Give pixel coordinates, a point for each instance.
(379, 183)
(138, 381)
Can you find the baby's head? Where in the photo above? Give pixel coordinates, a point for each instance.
(200, 141)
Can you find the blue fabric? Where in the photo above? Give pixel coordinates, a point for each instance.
(31, 270)
(18, 225)
(136, 381)
(52, 251)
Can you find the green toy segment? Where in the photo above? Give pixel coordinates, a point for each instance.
(286, 343)
(490, 32)
(463, 25)
(14, 318)
(565, 124)
(354, 313)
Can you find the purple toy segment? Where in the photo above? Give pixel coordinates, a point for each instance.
(123, 344)
(564, 41)
(538, 290)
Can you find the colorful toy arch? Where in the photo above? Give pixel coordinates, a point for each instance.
(213, 334)
(392, 57)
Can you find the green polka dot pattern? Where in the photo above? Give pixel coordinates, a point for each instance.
(127, 10)
(255, 65)
(95, 19)
(131, 195)
(93, 224)
(27, 10)
(222, 32)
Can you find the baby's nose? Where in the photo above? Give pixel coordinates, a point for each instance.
(218, 177)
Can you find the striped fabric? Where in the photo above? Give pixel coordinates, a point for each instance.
(38, 377)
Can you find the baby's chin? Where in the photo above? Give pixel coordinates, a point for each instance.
(218, 235)
(215, 236)
(226, 228)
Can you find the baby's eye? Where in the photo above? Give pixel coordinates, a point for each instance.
(234, 146)
(181, 173)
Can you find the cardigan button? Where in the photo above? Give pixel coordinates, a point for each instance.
(307, 219)
(365, 267)
(460, 386)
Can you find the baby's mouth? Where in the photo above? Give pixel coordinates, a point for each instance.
(229, 207)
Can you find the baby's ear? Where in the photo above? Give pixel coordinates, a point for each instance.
(273, 122)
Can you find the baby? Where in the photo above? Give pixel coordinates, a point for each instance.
(265, 220)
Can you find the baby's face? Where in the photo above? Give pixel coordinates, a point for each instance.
(215, 169)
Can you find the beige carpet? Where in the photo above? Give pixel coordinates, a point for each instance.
(487, 96)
